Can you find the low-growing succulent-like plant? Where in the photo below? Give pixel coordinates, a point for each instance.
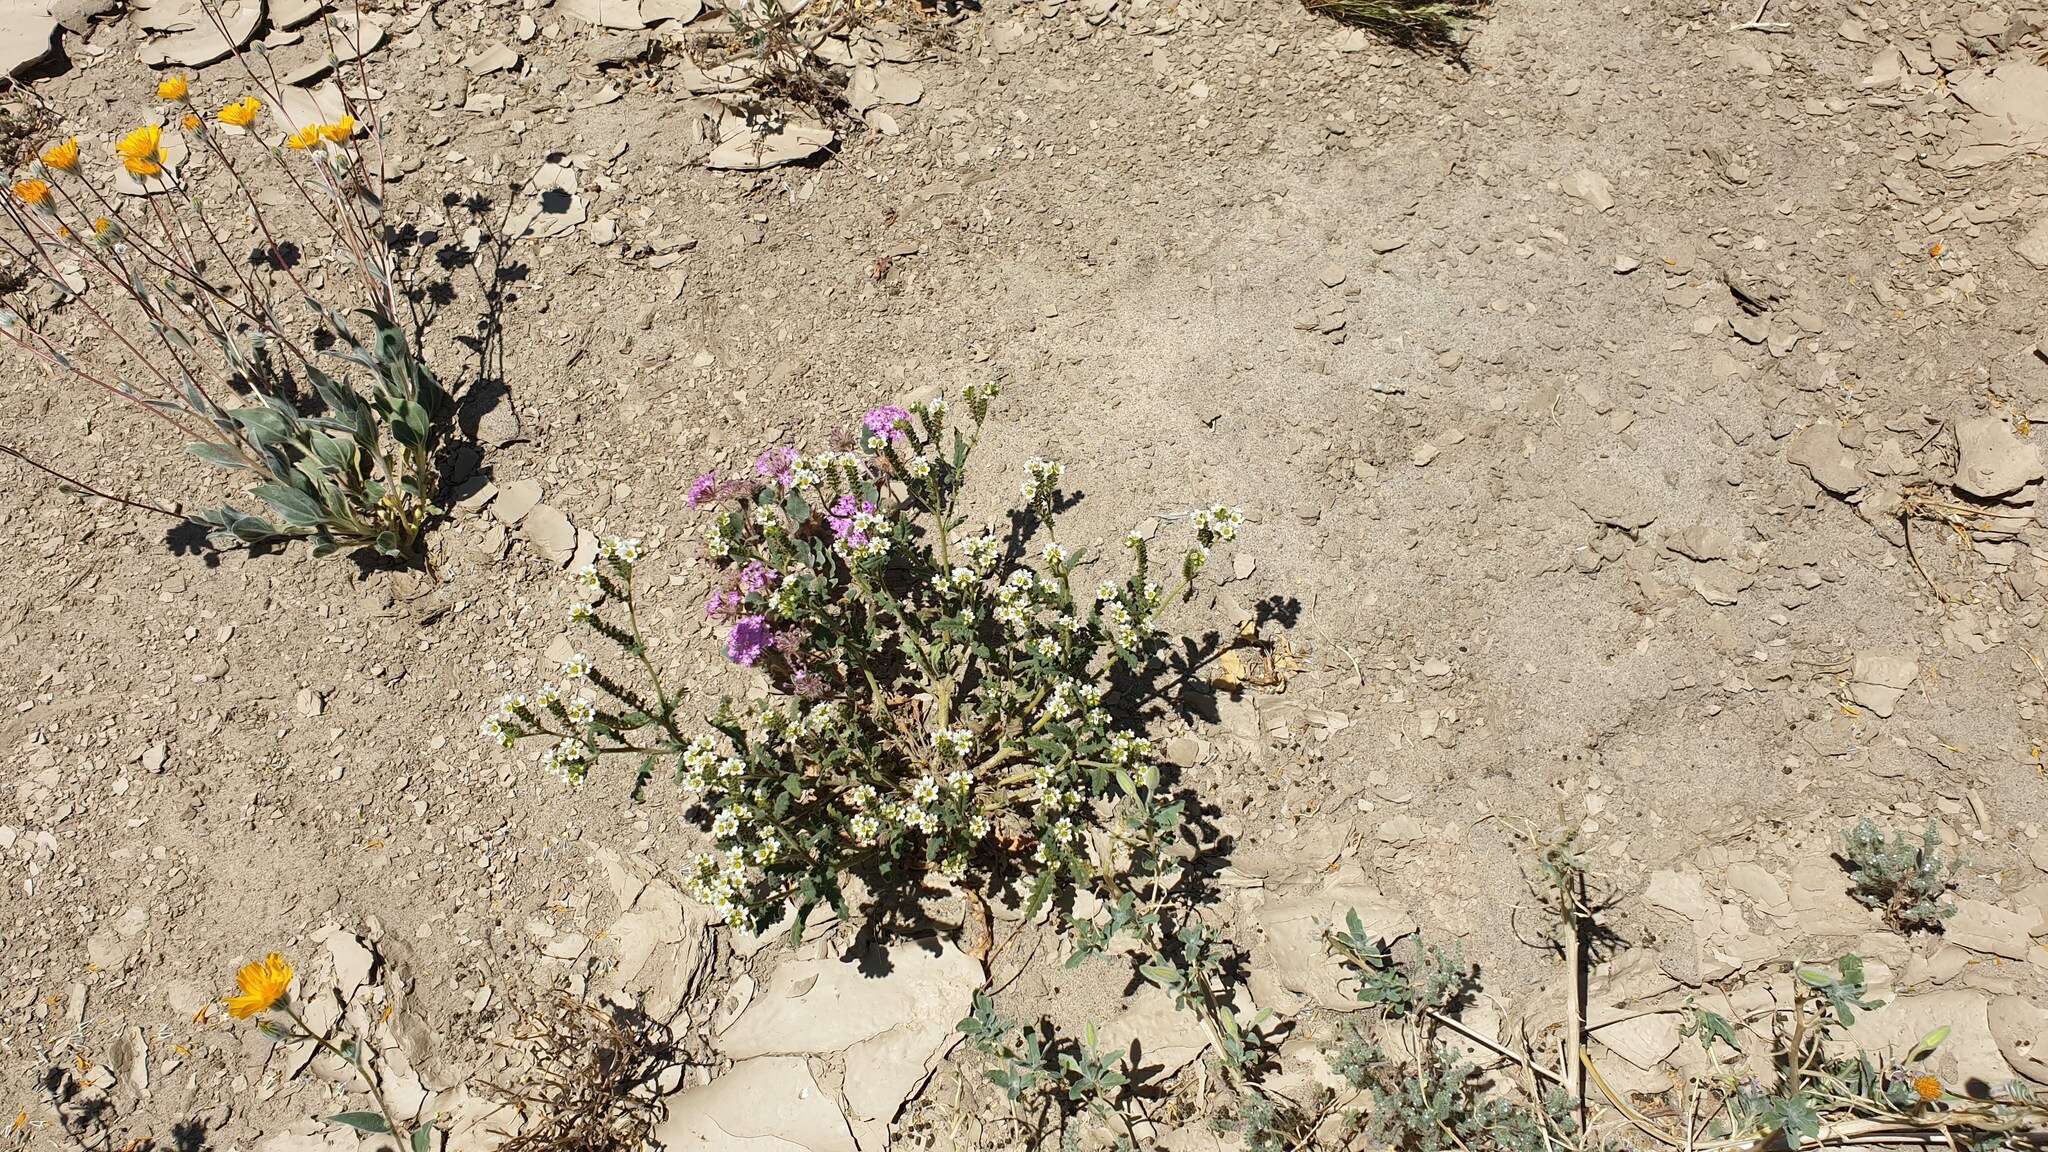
(1816, 1089)
(1052, 1079)
(1904, 880)
(940, 695)
(334, 421)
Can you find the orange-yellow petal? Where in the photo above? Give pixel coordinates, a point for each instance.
(173, 88)
(303, 139)
(241, 113)
(34, 193)
(63, 156)
(340, 131)
(262, 985)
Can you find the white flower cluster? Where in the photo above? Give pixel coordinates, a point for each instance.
(981, 552)
(1070, 697)
(568, 761)
(718, 538)
(704, 767)
(822, 718)
(1125, 624)
(576, 667)
(624, 549)
(1056, 557)
(867, 538)
(1017, 601)
(1217, 523)
(960, 581)
(1126, 750)
(589, 578)
(919, 467)
(581, 613)
(955, 741)
(1041, 479)
(716, 879)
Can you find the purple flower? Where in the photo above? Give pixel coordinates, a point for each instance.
(704, 488)
(841, 518)
(775, 464)
(888, 421)
(722, 604)
(750, 637)
(758, 577)
(807, 685)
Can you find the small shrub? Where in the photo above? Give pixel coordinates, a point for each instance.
(591, 1084)
(1904, 880)
(1425, 25)
(941, 703)
(1050, 1078)
(196, 335)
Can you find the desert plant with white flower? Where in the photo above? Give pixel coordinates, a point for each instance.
(941, 704)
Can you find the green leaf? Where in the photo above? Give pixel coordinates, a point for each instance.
(298, 509)
(422, 1139)
(362, 1122)
(218, 455)
(267, 425)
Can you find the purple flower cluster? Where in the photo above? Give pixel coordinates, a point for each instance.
(842, 515)
(888, 421)
(702, 490)
(758, 577)
(775, 464)
(722, 604)
(751, 636)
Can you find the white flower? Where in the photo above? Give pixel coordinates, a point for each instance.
(588, 577)
(581, 613)
(1042, 478)
(1048, 647)
(958, 741)
(979, 827)
(576, 667)
(860, 796)
(625, 549)
(864, 828)
(725, 825)
(581, 710)
(919, 467)
(981, 552)
(925, 791)
(1055, 556)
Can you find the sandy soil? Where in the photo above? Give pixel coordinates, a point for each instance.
(1576, 398)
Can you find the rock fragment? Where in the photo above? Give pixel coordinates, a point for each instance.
(1994, 462)
(1818, 449)
(1877, 681)
(1596, 190)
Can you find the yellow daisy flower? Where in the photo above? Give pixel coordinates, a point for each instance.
(63, 156)
(241, 113)
(339, 131)
(191, 123)
(173, 88)
(263, 984)
(34, 193)
(142, 151)
(304, 138)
